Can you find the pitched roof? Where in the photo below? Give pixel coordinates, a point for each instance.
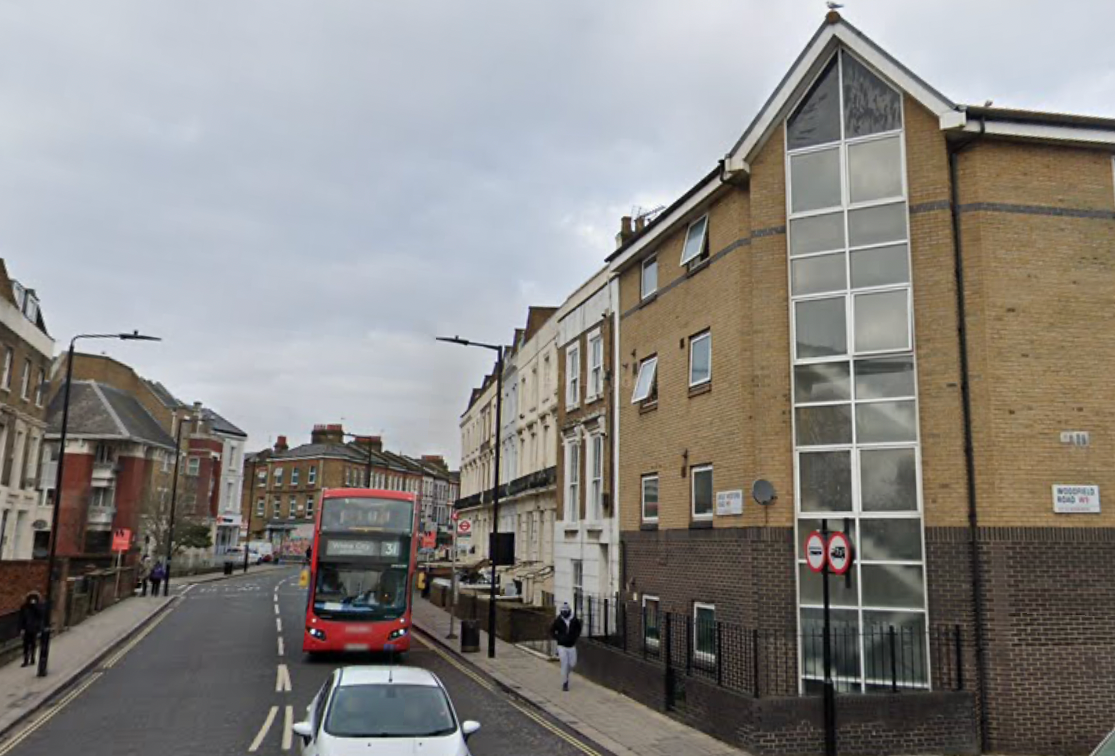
(99, 411)
(220, 425)
(314, 451)
(162, 393)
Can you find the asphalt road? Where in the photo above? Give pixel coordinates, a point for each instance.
(209, 679)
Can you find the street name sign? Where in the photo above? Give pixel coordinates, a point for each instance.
(1076, 499)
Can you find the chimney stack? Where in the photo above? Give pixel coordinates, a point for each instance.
(435, 459)
(333, 433)
(625, 231)
(376, 442)
(640, 224)
(281, 444)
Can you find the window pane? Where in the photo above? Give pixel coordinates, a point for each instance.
(870, 106)
(876, 225)
(820, 328)
(888, 480)
(807, 525)
(650, 498)
(650, 277)
(815, 180)
(818, 233)
(882, 321)
(841, 594)
(909, 647)
(826, 481)
(694, 241)
(700, 360)
(825, 382)
(884, 378)
(705, 620)
(875, 170)
(702, 492)
(845, 648)
(817, 119)
(892, 585)
(824, 425)
(645, 381)
(880, 266)
(891, 539)
(813, 275)
(885, 422)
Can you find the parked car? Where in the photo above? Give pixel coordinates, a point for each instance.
(1107, 747)
(236, 554)
(383, 710)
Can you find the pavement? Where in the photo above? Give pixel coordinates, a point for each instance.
(614, 721)
(220, 670)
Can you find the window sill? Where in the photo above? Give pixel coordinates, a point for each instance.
(648, 299)
(700, 524)
(569, 527)
(700, 388)
(646, 407)
(696, 266)
(648, 526)
(596, 525)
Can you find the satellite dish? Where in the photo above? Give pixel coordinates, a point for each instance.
(763, 492)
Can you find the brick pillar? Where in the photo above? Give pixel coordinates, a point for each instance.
(77, 487)
(130, 483)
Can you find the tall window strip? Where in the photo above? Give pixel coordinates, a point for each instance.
(854, 380)
(572, 479)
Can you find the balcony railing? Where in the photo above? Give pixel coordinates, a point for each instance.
(526, 483)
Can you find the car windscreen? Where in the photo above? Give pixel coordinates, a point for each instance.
(389, 710)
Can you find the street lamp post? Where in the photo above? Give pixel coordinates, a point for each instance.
(498, 349)
(174, 500)
(44, 638)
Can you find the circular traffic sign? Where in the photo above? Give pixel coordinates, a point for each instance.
(839, 553)
(464, 527)
(815, 551)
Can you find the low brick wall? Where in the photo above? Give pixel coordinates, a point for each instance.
(515, 622)
(867, 725)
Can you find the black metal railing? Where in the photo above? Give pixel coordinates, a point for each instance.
(772, 662)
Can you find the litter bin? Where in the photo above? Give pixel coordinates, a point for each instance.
(228, 568)
(470, 636)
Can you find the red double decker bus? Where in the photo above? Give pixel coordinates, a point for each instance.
(364, 556)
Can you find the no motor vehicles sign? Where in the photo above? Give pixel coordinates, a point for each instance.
(815, 551)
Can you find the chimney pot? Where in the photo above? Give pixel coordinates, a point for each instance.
(625, 231)
(281, 444)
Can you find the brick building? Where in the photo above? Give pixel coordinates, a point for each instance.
(27, 350)
(873, 302)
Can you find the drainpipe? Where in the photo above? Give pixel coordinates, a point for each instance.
(978, 610)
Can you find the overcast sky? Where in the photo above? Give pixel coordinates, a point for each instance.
(297, 196)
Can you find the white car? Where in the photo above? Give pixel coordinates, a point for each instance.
(388, 711)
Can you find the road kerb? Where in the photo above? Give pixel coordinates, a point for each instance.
(67, 680)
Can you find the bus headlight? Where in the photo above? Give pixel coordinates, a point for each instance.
(397, 633)
(315, 633)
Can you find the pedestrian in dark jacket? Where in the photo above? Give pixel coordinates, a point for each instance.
(566, 630)
(158, 575)
(30, 625)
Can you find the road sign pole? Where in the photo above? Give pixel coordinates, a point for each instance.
(453, 581)
(829, 692)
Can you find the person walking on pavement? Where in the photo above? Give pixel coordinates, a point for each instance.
(144, 573)
(158, 575)
(30, 625)
(566, 630)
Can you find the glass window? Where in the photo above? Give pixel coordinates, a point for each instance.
(817, 119)
(704, 637)
(651, 633)
(909, 636)
(312, 478)
(885, 377)
(895, 586)
(573, 376)
(877, 225)
(888, 480)
(843, 591)
(820, 328)
(695, 241)
(25, 388)
(815, 180)
(814, 275)
(882, 321)
(650, 498)
(389, 711)
(870, 106)
(260, 506)
(826, 481)
(294, 474)
(8, 356)
(309, 505)
(821, 382)
(875, 170)
(886, 422)
(807, 525)
(845, 651)
(702, 491)
(572, 480)
(596, 365)
(193, 466)
(817, 233)
(650, 277)
(891, 539)
(596, 479)
(880, 266)
(645, 384)
(700, 359)
(824, 425)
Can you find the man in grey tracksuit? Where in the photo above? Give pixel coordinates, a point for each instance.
(566, 630)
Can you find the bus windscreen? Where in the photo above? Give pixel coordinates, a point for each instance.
(367, 515)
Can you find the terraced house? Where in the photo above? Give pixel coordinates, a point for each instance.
(897, 311)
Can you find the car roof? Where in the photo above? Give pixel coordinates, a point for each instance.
(381, 675)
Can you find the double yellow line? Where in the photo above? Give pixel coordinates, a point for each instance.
(578, 744)
(54, 708)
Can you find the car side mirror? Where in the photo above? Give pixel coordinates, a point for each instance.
(303, 730)
(469, 728)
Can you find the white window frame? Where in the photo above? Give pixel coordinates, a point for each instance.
(261, 478)
(311, 479)
(193, 466)
(644, 292)
(595, 511)
(39, 388)
(573, 479)
(25, 386)
(685, 260)
(573, 376)
(261, 507)
(277, 477)
(693, 341)
(653, 643)
(693, 471)
(9, 362)
(295, 474)
(643, 496)
(650, 363)
(309, 506)
(703, 656)
(294, 503)
(595, 368)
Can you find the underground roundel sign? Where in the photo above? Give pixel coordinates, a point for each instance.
(839, 553)
(815, 551)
